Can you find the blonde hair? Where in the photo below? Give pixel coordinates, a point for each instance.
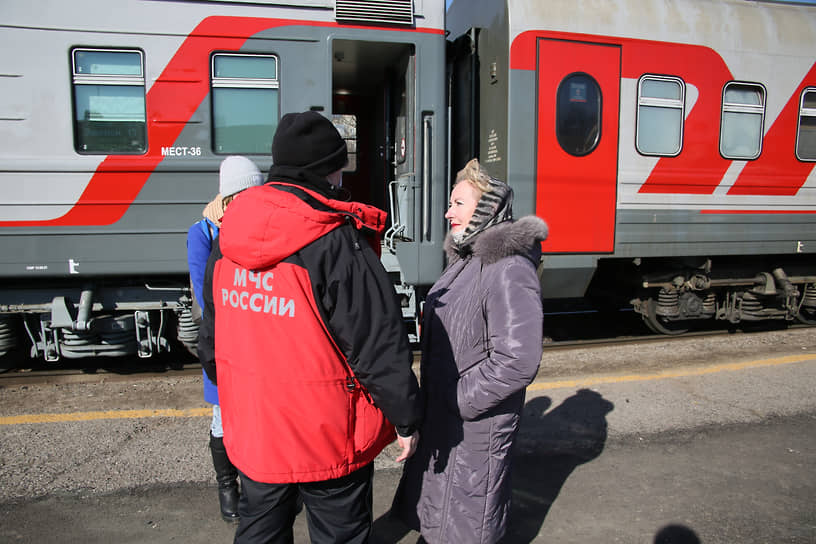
(476, 174)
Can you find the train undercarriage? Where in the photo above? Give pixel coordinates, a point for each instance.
(59, 323)
(96, 321)
(671, 298)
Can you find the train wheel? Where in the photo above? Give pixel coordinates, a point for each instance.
(10, 360)
(9, 351)
(807, 308)
(807, 316)
(658, 323)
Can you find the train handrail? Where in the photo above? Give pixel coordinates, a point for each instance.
(396, 223)
(427, 134)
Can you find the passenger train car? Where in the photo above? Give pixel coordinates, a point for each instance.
(115, 117)
(669, 144)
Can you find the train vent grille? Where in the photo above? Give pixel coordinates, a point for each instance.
(395, 12)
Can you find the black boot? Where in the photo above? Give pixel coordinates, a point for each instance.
(226, 475)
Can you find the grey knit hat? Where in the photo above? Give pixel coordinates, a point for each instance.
(238, 173)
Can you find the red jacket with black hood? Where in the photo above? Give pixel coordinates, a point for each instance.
(303, 332)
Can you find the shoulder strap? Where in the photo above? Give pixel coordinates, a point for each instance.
(207, 228)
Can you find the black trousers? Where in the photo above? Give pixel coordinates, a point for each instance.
(337, 511)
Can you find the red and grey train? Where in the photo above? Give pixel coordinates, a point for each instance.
(669, 144)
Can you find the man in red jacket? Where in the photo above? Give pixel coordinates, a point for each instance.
(307, 344)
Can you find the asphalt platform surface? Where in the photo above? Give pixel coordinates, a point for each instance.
(695, 440)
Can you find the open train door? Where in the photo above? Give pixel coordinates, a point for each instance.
(372, 107)
(577, 144)
(374, 86)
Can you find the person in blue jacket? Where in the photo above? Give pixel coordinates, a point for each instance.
(236, 174)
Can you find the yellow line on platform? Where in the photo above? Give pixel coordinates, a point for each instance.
(680, 373)
(111, 414)
(536, 386)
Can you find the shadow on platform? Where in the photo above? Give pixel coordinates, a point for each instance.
(551, 444)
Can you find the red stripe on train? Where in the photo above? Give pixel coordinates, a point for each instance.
(777, 171)
(742, 212)
(699, 169)
(119, 178)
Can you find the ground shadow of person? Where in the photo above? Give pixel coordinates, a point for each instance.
(549, 447)
(676, 534)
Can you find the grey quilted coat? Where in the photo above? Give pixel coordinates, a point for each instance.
(482, 344)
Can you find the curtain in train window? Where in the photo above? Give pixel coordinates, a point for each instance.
(578, 114)
(743, 113)
(660, 115)
(806, 135)
(109, 101)
(245, 103)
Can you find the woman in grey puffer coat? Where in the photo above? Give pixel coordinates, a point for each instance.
(481, 347)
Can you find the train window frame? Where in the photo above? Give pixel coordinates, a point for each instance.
(660, 105)
(346, 125)
(744, 109)
(105, 82)
(575, 96)
(251, 89)
(806, 112)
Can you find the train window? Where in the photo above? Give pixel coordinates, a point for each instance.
(660, 114)
(743, 113)
(578, 114)
(806, 135)
(347, 127)
(245, 102)
(109, 101)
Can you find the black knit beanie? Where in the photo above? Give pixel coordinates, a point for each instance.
(310, 141)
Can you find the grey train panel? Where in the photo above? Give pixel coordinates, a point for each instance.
(92, 255)
(662, 232)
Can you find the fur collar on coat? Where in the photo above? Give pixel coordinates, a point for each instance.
(520, 237)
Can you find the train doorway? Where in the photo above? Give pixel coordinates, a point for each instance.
(373, 104)
(577, 144)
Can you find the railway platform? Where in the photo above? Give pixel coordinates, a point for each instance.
(709, 438)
